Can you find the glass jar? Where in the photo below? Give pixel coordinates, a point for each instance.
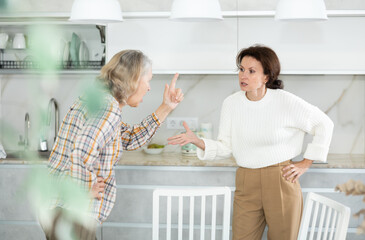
(188, 149)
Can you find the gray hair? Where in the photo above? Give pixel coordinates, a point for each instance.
(122, 73)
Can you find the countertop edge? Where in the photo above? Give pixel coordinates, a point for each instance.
(139, 158)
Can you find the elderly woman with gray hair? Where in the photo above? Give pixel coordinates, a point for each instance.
(90, 143)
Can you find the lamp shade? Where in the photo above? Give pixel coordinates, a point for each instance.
(196, 10)
(301, 10)
(101, 11)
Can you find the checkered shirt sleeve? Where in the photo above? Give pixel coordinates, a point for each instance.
(136, 136)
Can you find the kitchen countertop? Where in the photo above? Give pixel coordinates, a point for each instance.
(139, 158)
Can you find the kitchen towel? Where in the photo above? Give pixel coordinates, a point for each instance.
(2, 152)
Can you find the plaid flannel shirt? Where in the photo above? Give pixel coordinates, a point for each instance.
(90, 146)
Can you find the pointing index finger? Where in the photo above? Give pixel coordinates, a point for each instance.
(173, 81)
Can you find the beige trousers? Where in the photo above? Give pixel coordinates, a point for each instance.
(263, 197)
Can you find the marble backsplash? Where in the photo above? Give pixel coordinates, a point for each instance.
(342, 97)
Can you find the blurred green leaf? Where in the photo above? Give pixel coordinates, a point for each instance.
(94, 97)
(45, 43)
(3, 5)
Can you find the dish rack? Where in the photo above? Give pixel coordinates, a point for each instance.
(63, 65)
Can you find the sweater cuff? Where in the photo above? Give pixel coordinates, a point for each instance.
(316, 152)
(210, 150)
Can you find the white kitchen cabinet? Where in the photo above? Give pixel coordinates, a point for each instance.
(331, 47)
(178, 46)
(18, 218)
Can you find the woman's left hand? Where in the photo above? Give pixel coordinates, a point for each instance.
(295, 170)
(172, 96)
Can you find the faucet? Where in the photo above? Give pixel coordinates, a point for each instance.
(56, 117)
(25, 142)
(26, 131)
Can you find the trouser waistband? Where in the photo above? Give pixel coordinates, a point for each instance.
(285, 163)
(281, 164)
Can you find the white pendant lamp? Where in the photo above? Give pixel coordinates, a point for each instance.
(100, 11)
(196, 10)
(301, 10)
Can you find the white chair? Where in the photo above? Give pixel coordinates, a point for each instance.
(333, 219)
(217, 195)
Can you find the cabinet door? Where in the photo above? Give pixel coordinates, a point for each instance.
(334, 45)
(178, 46)
(17, 216)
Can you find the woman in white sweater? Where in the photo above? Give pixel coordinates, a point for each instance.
(263, 127)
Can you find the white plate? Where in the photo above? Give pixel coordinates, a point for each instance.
(74, 49)
(83, 53)
(66, 52)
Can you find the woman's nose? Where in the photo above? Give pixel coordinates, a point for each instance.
(244, 74)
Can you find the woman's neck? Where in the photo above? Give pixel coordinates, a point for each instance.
(257, 94)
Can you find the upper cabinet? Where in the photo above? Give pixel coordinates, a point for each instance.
(335, 46)
(185, 47)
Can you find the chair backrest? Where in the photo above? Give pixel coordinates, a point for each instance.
(193, 195)
(331, 223)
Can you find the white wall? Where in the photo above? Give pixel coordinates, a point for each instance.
(341, 97)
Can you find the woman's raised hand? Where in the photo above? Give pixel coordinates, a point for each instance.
(172, 96)
(184, 138)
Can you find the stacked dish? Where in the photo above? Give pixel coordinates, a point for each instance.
(83, 54)
(75, 51)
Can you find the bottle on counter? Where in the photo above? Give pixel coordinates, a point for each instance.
(206, 130)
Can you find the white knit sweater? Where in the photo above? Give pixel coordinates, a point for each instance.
(269, 131)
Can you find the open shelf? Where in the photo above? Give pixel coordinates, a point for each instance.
(65, 65)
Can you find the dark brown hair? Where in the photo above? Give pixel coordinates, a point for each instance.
(269, 61)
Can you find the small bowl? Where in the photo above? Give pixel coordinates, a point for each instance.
(153, 150)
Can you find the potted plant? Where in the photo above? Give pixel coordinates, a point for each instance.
(353, 187)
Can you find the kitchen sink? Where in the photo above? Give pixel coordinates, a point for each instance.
(27, 154)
